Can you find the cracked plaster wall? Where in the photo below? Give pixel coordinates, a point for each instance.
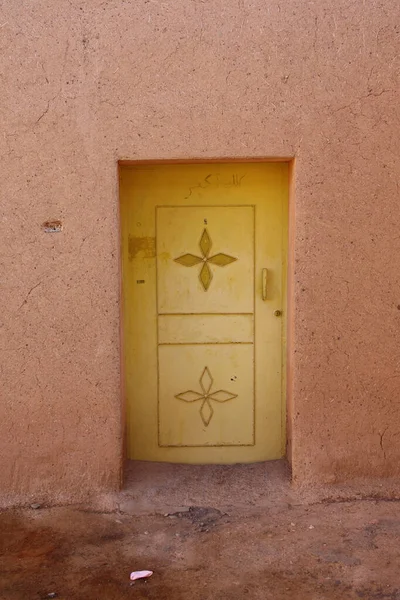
(86, 83)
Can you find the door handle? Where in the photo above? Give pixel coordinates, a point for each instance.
(264, 283)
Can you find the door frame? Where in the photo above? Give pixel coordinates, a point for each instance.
(288, 296)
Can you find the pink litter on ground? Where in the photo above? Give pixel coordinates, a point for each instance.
(140, 575)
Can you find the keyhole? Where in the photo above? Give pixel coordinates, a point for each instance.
(205, 221)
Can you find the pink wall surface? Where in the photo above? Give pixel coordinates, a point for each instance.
(86, 83)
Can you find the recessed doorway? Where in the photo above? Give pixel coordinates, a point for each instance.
(204, 255)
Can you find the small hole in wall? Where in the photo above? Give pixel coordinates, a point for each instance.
(52, 226)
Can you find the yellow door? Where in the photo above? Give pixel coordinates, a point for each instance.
(203, 265)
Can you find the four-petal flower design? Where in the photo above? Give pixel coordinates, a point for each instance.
(205, 274)
(206, 409)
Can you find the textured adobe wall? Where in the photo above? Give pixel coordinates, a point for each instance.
(86, 83)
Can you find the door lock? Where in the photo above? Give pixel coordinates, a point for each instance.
(277, 313)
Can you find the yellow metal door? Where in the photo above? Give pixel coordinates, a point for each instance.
(203, 265)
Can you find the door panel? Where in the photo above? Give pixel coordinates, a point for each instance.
(206, 395)
(205, 259)
(205, 329)
(203, 350)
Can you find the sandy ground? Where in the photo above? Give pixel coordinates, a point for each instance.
(272, 549)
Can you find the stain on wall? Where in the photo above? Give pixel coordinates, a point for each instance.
(95, 82)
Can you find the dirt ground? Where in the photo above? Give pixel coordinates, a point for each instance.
(281, 550)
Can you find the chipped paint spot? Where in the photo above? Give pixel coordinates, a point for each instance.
(145, 247)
